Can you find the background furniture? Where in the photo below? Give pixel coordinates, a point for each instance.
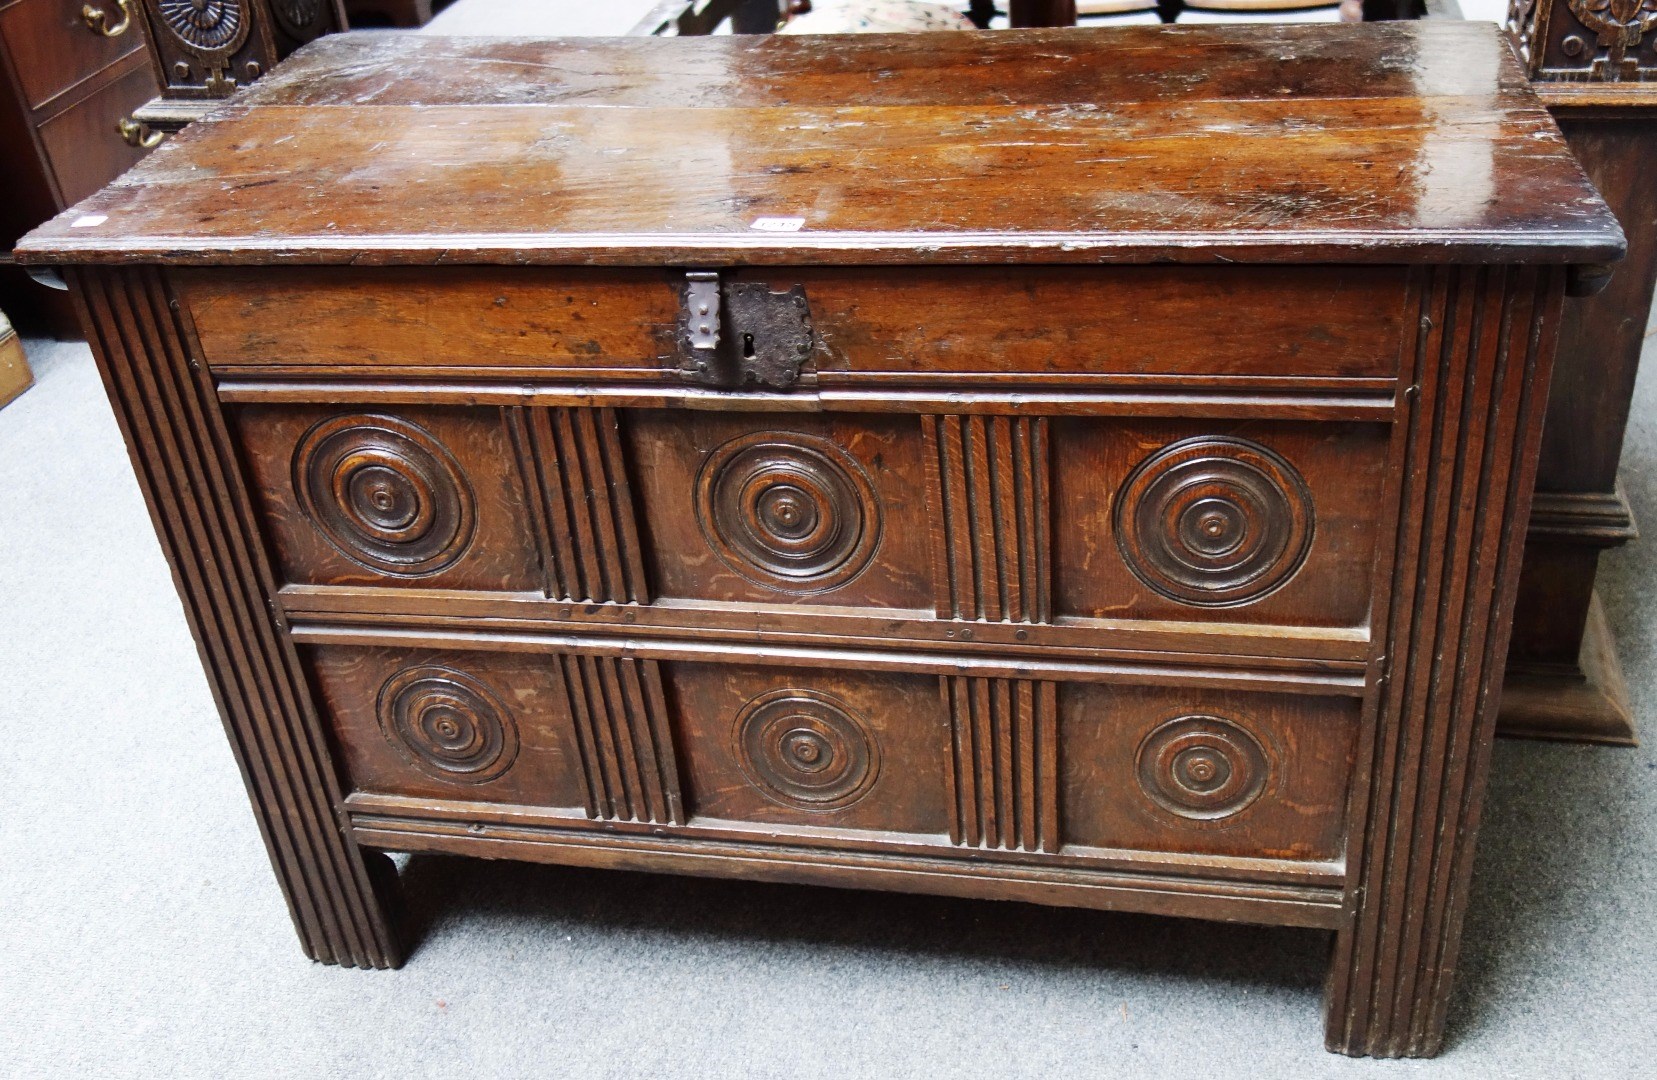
(72, 72)
(15, 376)
(202, 53)
(619, 565)
(406, 14)
(1595, 67)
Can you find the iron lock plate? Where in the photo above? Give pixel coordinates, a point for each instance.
(734, 334)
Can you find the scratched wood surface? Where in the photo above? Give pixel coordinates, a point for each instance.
(1384, 143)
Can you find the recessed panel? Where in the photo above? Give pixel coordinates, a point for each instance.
(461, 724)
(394, 495)
(1205, 772)
(810, 747)
(1217, 521)
(779, 509)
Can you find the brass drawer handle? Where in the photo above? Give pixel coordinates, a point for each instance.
(97, 19)
(138, 135)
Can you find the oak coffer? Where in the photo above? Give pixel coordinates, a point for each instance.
(1077, 467)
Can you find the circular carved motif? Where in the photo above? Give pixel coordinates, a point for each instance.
(214, 26)
(1214, 521)
(447, 724)
(806, 749)
(385, 493)
(790, 512)
(1202, 767)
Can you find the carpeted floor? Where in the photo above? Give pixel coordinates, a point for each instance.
(144, 936)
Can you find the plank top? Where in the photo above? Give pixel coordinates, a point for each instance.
(1386, 142)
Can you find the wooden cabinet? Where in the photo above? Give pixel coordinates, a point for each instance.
(716, 473)
(70, 73)
(1594, 68)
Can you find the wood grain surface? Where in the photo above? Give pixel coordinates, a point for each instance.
(1377, 143)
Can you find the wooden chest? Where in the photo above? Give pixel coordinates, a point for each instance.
(1085, 468)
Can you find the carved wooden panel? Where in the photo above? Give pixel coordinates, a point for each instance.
(1214, 521)
(578, 732)
(1004, 756)
(1586, 40)
(448, 724)
(1222, 773)
(840, 749)
(580, 502)
(209, 48)
(298, 22)
(1254, 522)
(787, 510)
(988, 477)
(395, 495)
(777, 509)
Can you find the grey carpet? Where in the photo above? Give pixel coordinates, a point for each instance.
(143, 934)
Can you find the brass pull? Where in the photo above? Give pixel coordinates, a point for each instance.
(138, 135)
(97, 19)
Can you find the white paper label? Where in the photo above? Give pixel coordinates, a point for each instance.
(778, 224)
(90, 221)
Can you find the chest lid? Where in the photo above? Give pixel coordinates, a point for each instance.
(1389, 142)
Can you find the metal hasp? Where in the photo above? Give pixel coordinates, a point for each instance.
(737, 333)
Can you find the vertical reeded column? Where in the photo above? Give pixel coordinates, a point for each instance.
(337, 893)
(1004, 757)
(580, 503)
(990, 492)
(1463, 472)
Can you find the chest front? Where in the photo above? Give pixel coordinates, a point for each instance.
(1105, 531)
(1074, 561)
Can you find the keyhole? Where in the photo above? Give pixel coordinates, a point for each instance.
(747, 346)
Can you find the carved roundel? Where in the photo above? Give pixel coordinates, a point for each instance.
(1214, 521)
(211, 26)
(1202, 767)
(385, 493)
(807, 750)
(790, 512)
(447, 724)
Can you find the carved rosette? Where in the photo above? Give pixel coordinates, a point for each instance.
(203, 39)
(1204, 768)
(1214, 521)
(790, 512)
(208, 27)
(806, 749)
(1618, 27)
(448, 725)
(385, 493)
